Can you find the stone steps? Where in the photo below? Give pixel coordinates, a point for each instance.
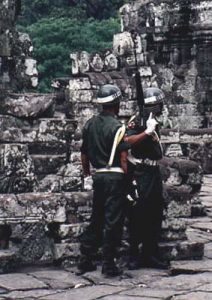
(8, 260)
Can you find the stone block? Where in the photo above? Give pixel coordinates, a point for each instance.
(187, 122)
(127, 108)
(173, 236)
(42, 206)
(182, 251)
(122, 44)
(47, 164)
(8, 261)
(173, 150)
(48, 148)
(179, 210)
(66, 250)
(5, 44)
(79, 84)
(170, 136)
(55, 129)
(70, 231)
(145, 71)
(15, 160)
(28, 105)
(180, 194)
(174, 224)
(80, 96)
(17, 184)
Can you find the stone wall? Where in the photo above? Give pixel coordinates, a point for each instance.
(173, 49)
(17, 66)
(44, 227)
(43, 207)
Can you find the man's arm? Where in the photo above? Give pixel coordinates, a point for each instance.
(136, 138)
(123, 159)
(85, 164)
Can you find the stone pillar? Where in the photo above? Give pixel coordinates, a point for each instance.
(18, 69)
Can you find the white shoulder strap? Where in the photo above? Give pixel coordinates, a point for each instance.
(117, 139)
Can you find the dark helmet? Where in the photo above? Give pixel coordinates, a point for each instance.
(153, 100)
(108, 94)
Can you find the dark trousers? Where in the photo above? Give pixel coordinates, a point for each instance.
(145, 217)
(106, 223)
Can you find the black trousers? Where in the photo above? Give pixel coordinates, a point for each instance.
(145, 217)
(106, 222)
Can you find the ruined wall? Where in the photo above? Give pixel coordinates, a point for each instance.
(34, 146)
(17, 66)
(173, 47)
(42, 207)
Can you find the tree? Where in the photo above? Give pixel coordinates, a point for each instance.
(55, 38)
(59, 27)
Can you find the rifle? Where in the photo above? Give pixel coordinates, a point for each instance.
(139, 88)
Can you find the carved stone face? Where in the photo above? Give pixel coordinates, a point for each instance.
(111, 62)
(31, 71)
(84, 61)
(97, 63)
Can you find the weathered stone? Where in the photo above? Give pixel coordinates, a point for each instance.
(8, 260)
(25, 282)
(180, 194)
(47, 164)
(66, 250)
(172, 47)
(70, 230)
(175, 210)
(31, 294)
(122, 44)
(182, 251)
(59, 279)
(28, 105)
(87, 293)
(190, 267)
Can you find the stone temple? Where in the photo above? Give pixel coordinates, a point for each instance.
(43, 205)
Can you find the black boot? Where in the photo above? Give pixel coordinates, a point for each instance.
(153, 262)
(85, 264)
(110, 269)
(134, 262)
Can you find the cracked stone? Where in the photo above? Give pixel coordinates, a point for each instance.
(24, 282)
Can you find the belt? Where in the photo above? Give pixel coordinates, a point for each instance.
(142, 161)
(112, 169)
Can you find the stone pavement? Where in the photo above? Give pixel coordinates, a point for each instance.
(186, 280)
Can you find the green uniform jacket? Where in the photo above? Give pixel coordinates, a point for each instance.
(98, 137)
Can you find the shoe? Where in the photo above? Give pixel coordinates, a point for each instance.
(134, 263)
(109, 269)
(153, 262)
(85, 265)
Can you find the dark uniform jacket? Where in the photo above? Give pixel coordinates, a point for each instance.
(148, 148)
(98, 137)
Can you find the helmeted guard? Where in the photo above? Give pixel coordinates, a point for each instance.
(145, 213)
(104, 148)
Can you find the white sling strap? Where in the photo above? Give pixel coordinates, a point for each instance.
(117, 139)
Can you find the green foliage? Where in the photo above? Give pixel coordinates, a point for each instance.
(59, 27)
(55, 38)
(34, 10)
(99, 9)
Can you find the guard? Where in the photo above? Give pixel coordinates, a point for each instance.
(145, 210)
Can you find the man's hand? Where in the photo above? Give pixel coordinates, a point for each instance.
(151, 123)
(88, 183)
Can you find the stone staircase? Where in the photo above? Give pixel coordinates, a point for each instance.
(43, 227)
